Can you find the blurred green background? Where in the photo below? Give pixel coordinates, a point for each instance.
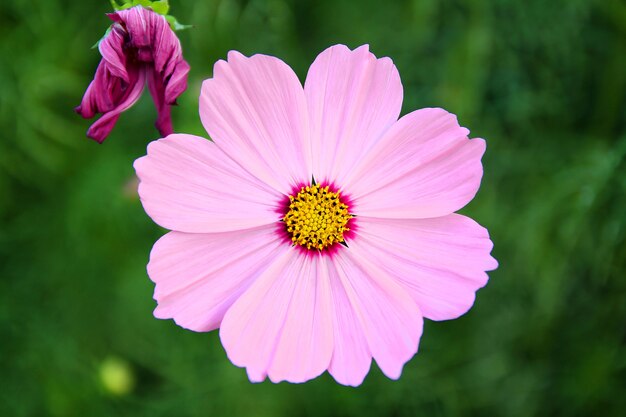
(543, 81)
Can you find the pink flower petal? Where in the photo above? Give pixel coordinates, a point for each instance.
(390, 319)
(177, 82)
(139, 44)
(99, 92)
(188, 184)
(157, 91)
(166, 49)
(425, 166)
(282, 325)
(255, 111)
(151, 33)
(198, 276)
(112, 50)
(441, 261)
(140, 23)
(353, 99)
(351, 356)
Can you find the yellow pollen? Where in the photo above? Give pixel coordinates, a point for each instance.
(316, 218)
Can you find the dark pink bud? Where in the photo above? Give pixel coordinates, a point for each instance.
(140, 47)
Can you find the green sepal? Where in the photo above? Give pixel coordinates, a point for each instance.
(175, 25)
(95, 45)
(159, 6)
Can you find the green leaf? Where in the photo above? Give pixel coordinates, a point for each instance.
(159, 6)
(95, 45)
(175, 25)
(115, 5)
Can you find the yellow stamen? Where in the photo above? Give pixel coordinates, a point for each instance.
(316, 218)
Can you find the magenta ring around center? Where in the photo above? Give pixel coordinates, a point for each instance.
(283, 207)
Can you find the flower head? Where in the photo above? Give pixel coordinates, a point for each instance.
(139, 48)
(317, 230)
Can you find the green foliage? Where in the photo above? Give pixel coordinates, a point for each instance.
(543, 82)
(160, 6)
(175, 25)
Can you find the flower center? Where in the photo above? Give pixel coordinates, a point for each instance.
(317, 218)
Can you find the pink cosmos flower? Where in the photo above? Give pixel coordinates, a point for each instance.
(140, 47)
(317, 231)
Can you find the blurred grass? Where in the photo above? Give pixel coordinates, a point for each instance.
(543, 82)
